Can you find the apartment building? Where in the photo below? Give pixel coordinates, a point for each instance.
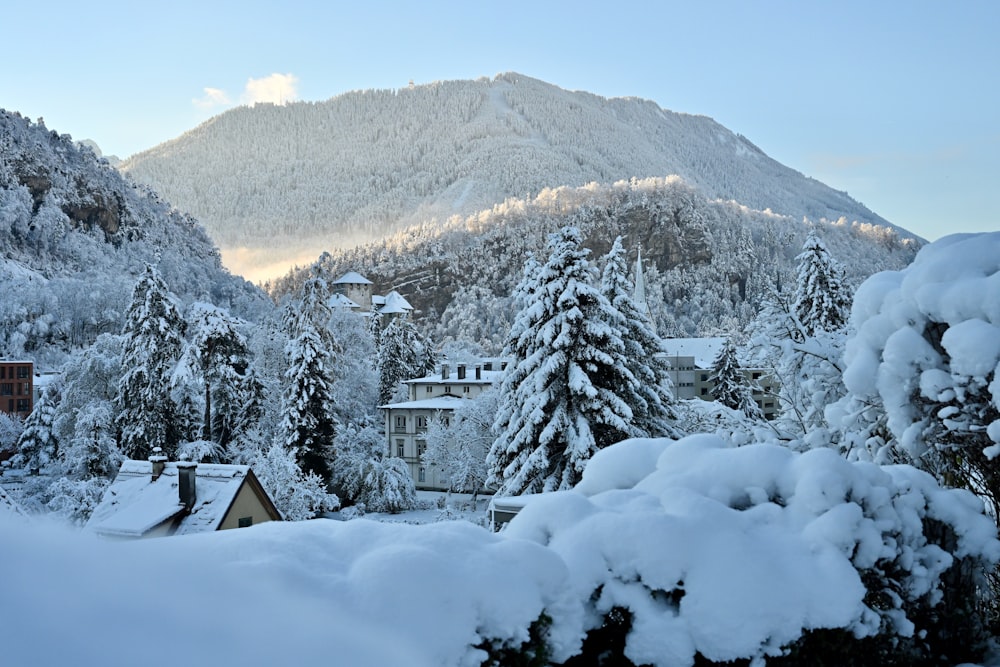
(431, 397)
(17, 394)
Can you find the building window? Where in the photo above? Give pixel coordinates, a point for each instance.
(421, 422)
(422, 474)
(756, 376)
(400, 448)
(421, 448)
(26, 389)
(430, 389)
(704, 377)
(245, 521)
(704, 391)
(22, 405)
(447, 389)
(7, 389)
(22, 372)
(465, 389)
(400, 421)
(3, 372)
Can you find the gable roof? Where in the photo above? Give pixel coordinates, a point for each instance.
(135, 504)
(338, 300)
(352, 278)
(7, 504)
(391, 303)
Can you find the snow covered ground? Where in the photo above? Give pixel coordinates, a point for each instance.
(722, 550)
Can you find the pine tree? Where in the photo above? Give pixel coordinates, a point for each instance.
(730, 383)
(822, 299)
(644, 351)
(37, 446)
(402, 354)
(218, 353)
(307, 415)
(559, 402)
(153, 339)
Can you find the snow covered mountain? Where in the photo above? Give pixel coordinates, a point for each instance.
(316, 176)
(74, 236)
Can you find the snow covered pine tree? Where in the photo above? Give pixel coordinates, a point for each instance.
(560, 400)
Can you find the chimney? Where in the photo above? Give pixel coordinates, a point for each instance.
(186, 474)
(158, 460)
(461, 371)
(444, 371)
(479, 371)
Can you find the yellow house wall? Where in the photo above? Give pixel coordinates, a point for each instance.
(246, 504)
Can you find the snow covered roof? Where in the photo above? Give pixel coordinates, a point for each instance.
(340, 301)
(135, 504)
(486, 377)
(7, 503)
(352, 278)
(436, 403)
(704, 350)
(392, 303)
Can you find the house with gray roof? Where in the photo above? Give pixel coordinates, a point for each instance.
(156, 498)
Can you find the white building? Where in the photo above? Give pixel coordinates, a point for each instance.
(434, 396)
(691, 364)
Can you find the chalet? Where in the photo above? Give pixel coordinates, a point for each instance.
(17, 395)
(156, 498)
(691, 365)
(433, 397)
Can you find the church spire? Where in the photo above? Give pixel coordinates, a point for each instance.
(639, 295)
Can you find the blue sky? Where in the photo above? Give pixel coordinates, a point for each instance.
(894, 102)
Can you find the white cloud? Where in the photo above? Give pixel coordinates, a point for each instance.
(275, 88)
(213, 97)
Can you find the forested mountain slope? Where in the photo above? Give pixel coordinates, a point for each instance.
(314, 176)
(75, 234)
(708, 264)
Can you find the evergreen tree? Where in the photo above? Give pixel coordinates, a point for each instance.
(307, 415)
(644, 351)
(822, 299)
(730, 383)
(37, 446)
(153, 339)
(218, 353)
(559, 403)
(402, 355)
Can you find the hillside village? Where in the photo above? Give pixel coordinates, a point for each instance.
(705, 438)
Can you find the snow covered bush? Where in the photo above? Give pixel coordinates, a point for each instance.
(699, 552)
(298, 495)
(922, 370)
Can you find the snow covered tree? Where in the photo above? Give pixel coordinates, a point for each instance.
(644, 351)
(402, 354)
(730, 387)
(459, 449)
(366, 476)
(217, 353)
(298, 495)
(822, 299)
(153, 339)
(37, 447)
(11, 427)
(559, 401)
(307, 413)
(923, 369)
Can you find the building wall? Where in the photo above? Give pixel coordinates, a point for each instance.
(693, 382)
(407, 433)
(17, 394)
(245, 505)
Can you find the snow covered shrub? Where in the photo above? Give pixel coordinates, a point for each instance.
(700, 552)
(922, 370)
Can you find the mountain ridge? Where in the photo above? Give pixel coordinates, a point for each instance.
(310, 176)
